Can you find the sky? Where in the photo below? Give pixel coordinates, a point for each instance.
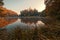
(19, 5)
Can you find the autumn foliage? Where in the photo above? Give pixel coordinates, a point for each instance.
(4, 21)
(53, 8)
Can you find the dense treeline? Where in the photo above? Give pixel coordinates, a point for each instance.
(53, 13)
(53, 9)
(32, 12)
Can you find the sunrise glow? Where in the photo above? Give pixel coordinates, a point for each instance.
(18, 5)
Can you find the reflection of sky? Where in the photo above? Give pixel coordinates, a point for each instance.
(18, 5)
(22, 25)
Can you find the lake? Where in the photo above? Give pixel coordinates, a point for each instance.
(23, 23)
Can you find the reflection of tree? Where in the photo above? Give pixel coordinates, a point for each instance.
(29, 20)
(4, 21)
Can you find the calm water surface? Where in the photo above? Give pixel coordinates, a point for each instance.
(23, 23)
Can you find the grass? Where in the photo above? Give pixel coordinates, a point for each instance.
(43, 33)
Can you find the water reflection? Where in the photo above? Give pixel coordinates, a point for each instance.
(24, 23)
(6, 21)
(29, 20)
(32, 21)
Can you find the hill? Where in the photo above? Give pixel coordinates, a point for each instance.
(6, 12)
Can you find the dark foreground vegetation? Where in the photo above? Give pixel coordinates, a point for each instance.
(43, 33)
(49, 32)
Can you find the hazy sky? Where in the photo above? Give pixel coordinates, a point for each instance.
(18, 5)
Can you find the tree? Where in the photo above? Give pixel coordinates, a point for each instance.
(1, 3)
(53, 9)
(29, 12)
